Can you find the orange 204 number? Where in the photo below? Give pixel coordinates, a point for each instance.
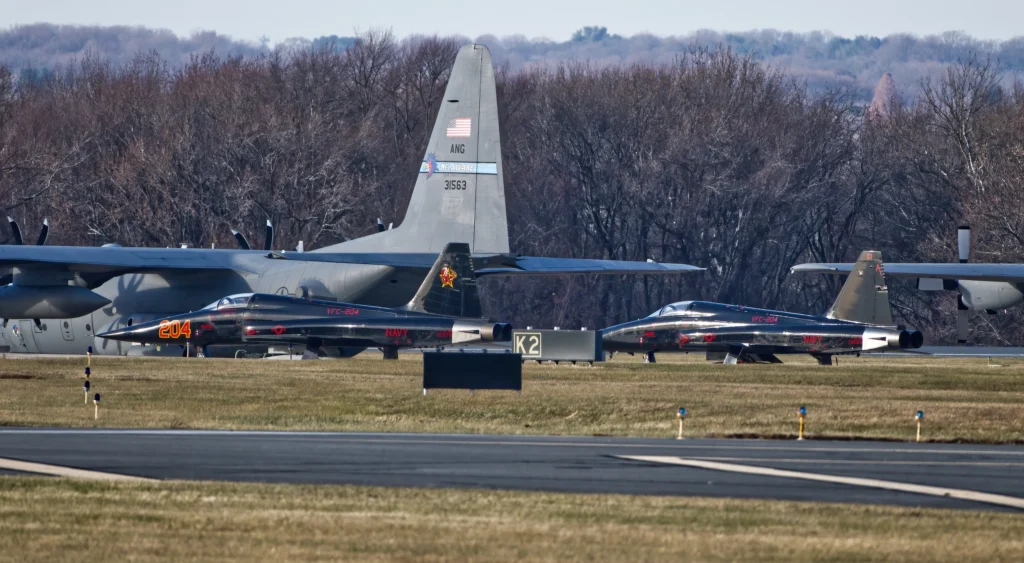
(172, 330)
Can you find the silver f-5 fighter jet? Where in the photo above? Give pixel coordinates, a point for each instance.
(860, 320)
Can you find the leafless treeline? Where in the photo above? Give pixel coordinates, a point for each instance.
(821, 59)
(715, 160)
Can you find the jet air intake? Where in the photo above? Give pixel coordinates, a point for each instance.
(48, 302)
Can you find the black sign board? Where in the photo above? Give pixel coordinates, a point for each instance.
(472, 370)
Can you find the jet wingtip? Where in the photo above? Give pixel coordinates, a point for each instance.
(812, 268)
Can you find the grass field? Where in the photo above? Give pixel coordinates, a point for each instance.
(964, 399)
(46, 519)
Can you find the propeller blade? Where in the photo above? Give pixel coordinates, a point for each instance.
(962, 328)
(16, 231)
(380, 225)
(963, 248)
(268, 242)
(42, 233)
(963, 242)
(242, 242)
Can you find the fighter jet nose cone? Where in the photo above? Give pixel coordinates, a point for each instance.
(112, 334)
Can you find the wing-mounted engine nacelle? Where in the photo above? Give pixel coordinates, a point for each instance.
(989, 296)
(48, 302)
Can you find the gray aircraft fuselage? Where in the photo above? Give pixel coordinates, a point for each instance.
(144, 297)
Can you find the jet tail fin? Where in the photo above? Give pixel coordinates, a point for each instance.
(864, 297)
(450, 287)
(459, 193)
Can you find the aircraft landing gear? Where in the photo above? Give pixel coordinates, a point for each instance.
(649, 358)
(390, 352)
(823, 359)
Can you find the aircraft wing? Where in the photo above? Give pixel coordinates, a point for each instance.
(501, 264)
(109, 261)
(117, 260)
(967, 271)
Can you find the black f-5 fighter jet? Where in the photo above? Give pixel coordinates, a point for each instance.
(446, 310)
(860, 320)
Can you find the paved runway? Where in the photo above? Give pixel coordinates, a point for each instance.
(567, 464)
(961, 352)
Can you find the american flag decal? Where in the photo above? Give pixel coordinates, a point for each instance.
(460, 127)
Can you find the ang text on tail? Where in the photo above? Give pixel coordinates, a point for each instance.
(459, 194)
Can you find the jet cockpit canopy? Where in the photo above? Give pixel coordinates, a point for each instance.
(680, 308)
(236, 301)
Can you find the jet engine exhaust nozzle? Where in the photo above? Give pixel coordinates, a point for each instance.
(911, 339)
(502, 332)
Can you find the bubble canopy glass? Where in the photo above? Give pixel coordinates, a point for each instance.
(235, 301)
(679, 308)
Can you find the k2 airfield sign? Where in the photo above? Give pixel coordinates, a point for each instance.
(558, 345)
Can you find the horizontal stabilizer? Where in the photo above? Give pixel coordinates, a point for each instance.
(971, 271)
(535, 265)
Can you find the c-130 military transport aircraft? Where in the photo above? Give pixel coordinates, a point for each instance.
(61, 298)
(860, 320)
(445, 311)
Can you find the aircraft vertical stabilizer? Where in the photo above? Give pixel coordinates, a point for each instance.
(459, 194)
(450, 287)
(864, 297)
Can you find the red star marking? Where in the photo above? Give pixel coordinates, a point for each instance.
(278, 330)
(448, 276)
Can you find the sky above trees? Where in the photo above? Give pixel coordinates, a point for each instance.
(278, 21)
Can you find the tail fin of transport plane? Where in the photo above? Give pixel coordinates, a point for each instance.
(459, 194)
(450, 287)
(864, 297)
